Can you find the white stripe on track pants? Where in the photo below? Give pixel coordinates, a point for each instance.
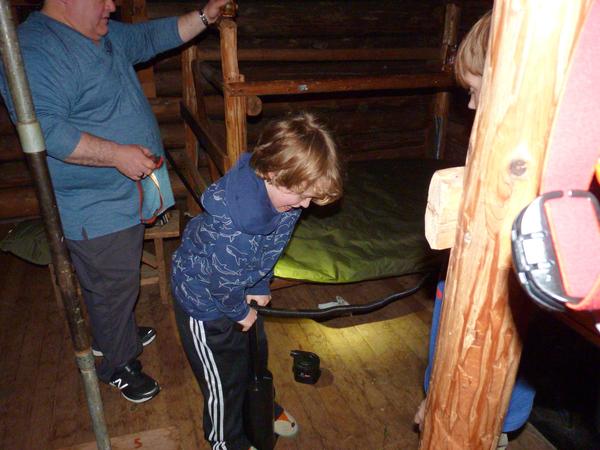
(219, 356)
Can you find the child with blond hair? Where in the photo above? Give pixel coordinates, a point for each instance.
(226, 260)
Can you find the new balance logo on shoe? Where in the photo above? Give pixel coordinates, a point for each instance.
(119, 383)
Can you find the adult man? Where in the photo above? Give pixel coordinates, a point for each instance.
(101, 137)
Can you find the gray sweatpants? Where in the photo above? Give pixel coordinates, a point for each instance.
(108, 269)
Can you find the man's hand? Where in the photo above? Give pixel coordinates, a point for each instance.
(249, 320)
(134, 161)
(262, 300)
(213, 9)
(191, 24)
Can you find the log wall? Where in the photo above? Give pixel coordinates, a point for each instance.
(391, 123)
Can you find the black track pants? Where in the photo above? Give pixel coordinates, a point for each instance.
(218, 353)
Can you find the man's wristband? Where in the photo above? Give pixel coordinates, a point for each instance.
(204, 18)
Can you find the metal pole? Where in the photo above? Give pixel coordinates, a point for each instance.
(32, 142)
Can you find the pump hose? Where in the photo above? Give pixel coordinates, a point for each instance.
(339, 311)
(317, 314)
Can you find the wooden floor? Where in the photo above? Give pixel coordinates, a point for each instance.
(371, 384)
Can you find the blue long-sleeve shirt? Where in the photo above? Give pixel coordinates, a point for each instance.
(80, 86)
(229, 250)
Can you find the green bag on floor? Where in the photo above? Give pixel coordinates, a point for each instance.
(27, 240)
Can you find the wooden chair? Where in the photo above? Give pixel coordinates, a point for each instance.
(154, 268)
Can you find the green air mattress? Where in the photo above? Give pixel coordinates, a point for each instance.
(376, 230)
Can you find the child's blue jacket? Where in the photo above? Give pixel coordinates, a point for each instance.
(230, 249)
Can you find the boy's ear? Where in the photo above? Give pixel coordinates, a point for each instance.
(270, 176)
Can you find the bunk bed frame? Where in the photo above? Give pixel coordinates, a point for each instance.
(242, 98)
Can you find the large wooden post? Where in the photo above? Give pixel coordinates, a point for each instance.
(478, 346)
(235, 106)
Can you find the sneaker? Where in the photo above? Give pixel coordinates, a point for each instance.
(285, 425)
(147, 335)
(135, 385)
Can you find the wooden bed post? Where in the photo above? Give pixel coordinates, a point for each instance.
(235, 106)
(189, 95)
(478, 346)
(442, 99)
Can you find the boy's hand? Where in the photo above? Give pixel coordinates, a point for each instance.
(249, 320)
(262, 300)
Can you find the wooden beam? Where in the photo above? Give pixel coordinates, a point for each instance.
(215, 78)
(202, 115)
(449, 40)
(338, 54)
(207, 138)
(443, 201)
(10, 148)
(191, 174)
(441, 105)
(253, 105)
(478, 345)
(160, 438)
(274, 107)
(18, 202)
(212, 75)
(235, 106)
(190, 98)
(339, 84)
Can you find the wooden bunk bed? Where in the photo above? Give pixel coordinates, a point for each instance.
(398, 246)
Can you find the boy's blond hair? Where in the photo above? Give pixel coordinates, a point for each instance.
(299, 154)
(470, 57)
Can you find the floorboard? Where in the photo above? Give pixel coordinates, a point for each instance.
(371, 382)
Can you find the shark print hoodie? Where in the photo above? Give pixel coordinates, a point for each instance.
(229, 250)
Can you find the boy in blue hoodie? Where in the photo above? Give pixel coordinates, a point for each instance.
(226, 260)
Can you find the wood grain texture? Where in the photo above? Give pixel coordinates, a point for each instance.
(478, 345)
(340, 84)
(441, 106)
(189, 97)
(235, 107)
(443, 202)
(371, 383)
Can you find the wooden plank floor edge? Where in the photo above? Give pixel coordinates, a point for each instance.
(157, 439)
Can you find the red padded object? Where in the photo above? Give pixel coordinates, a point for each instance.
(571, 163)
